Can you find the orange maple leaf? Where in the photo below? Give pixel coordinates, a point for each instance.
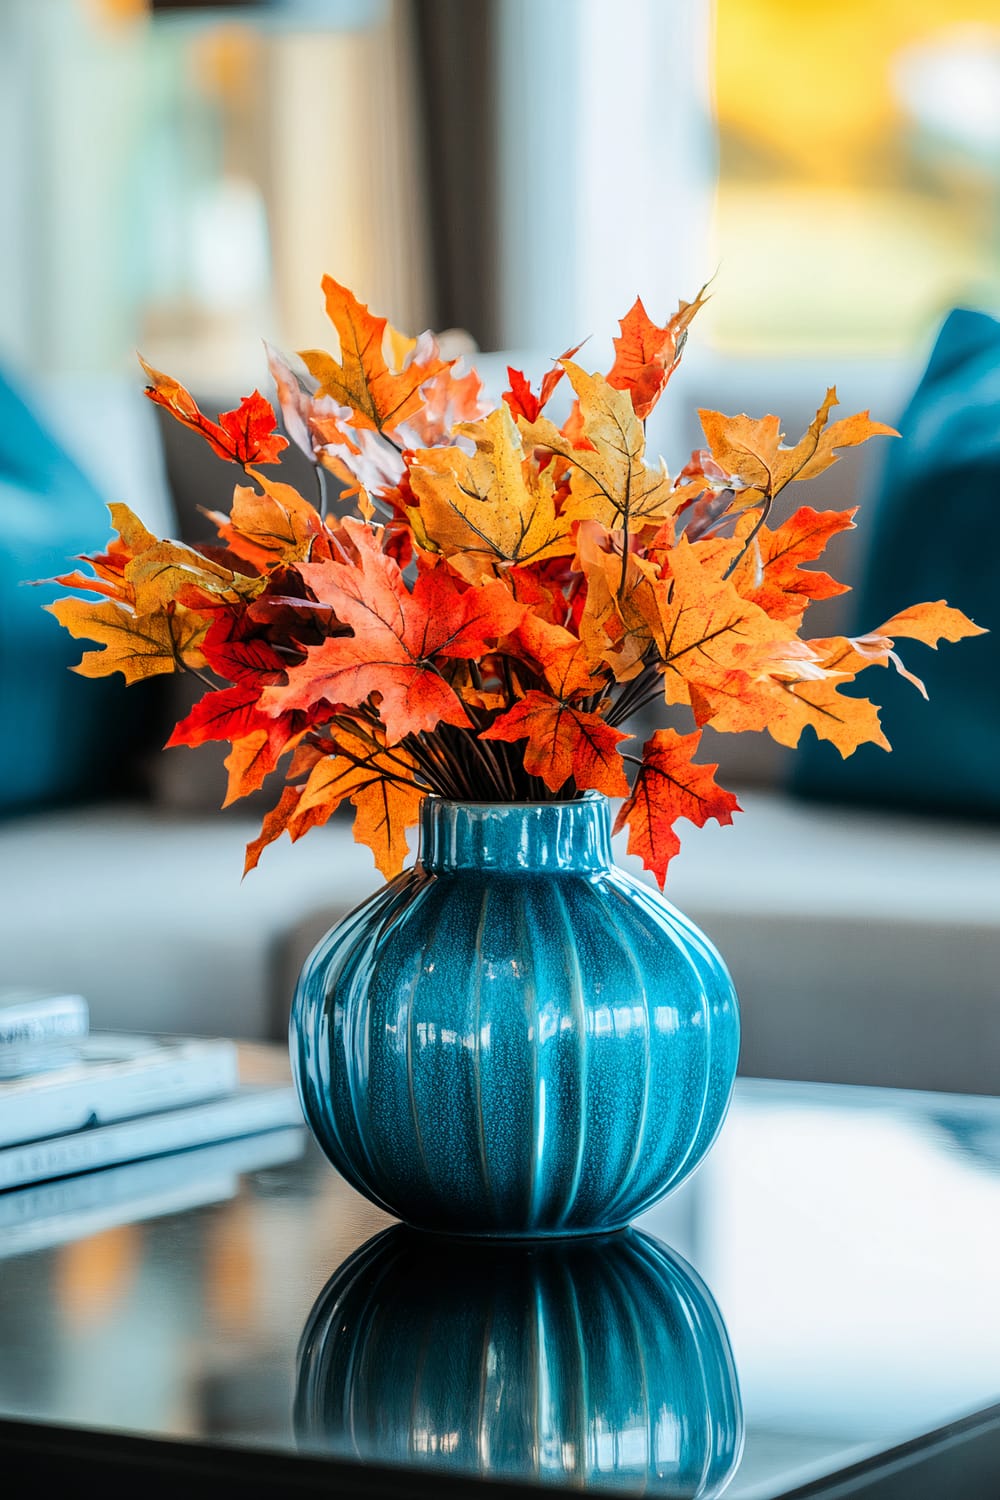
(554, 654)
(397, 636)
(564, 743)
(385, 806)
(362, 380)
(275, 526)
(770, 572)
(668, 786)
(786, 705)
(646, 355)
(710, 632)
(356, 767)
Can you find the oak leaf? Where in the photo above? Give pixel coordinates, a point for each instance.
(758, 465)
(745, 448)
(931, 624)
(928, 623)
(669, 785)
(770, 572)
(816, 449)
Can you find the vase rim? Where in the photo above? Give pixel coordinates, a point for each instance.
(571, 834)
(499, 802)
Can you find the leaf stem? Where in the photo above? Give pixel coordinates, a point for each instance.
(765, 511)
(321, 486)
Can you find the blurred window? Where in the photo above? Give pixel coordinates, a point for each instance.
(859, 170)
(183, 176)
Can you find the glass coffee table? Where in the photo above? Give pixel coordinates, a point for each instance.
(816, 1313)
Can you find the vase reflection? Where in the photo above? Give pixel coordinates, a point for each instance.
(602, 1362)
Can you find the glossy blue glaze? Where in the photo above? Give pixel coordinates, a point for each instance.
(515, 1037)
(601, 1362)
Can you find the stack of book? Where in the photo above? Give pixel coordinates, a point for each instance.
(98, 1128)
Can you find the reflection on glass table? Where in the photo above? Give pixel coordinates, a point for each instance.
(598, 1362)
(843, 1245)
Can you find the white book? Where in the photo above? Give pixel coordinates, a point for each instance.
(115, 1077)
(250, 1109)
(39, 1029)
(39, 1217)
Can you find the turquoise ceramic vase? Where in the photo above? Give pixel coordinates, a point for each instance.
(515, 1037)
(601, 1363)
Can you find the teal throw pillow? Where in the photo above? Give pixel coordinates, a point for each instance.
(935, 535)
(62, 737)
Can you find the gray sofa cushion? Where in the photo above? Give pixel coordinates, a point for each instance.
(145, 914)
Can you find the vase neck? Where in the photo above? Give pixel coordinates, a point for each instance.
(515, 836)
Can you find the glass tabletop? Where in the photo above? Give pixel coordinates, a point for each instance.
(824, 1289)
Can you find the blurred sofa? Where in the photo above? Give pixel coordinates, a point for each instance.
(864, 939)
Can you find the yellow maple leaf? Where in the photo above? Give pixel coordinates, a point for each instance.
(158, 575)
(276, 526)
(609, 479)
(138, 646)
(621, 617)
(492, 504)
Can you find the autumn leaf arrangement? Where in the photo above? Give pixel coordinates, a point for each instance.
(490, 597)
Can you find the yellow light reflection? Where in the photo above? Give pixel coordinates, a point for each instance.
(859, 186)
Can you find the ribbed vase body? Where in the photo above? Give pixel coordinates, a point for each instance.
(514, 1037)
